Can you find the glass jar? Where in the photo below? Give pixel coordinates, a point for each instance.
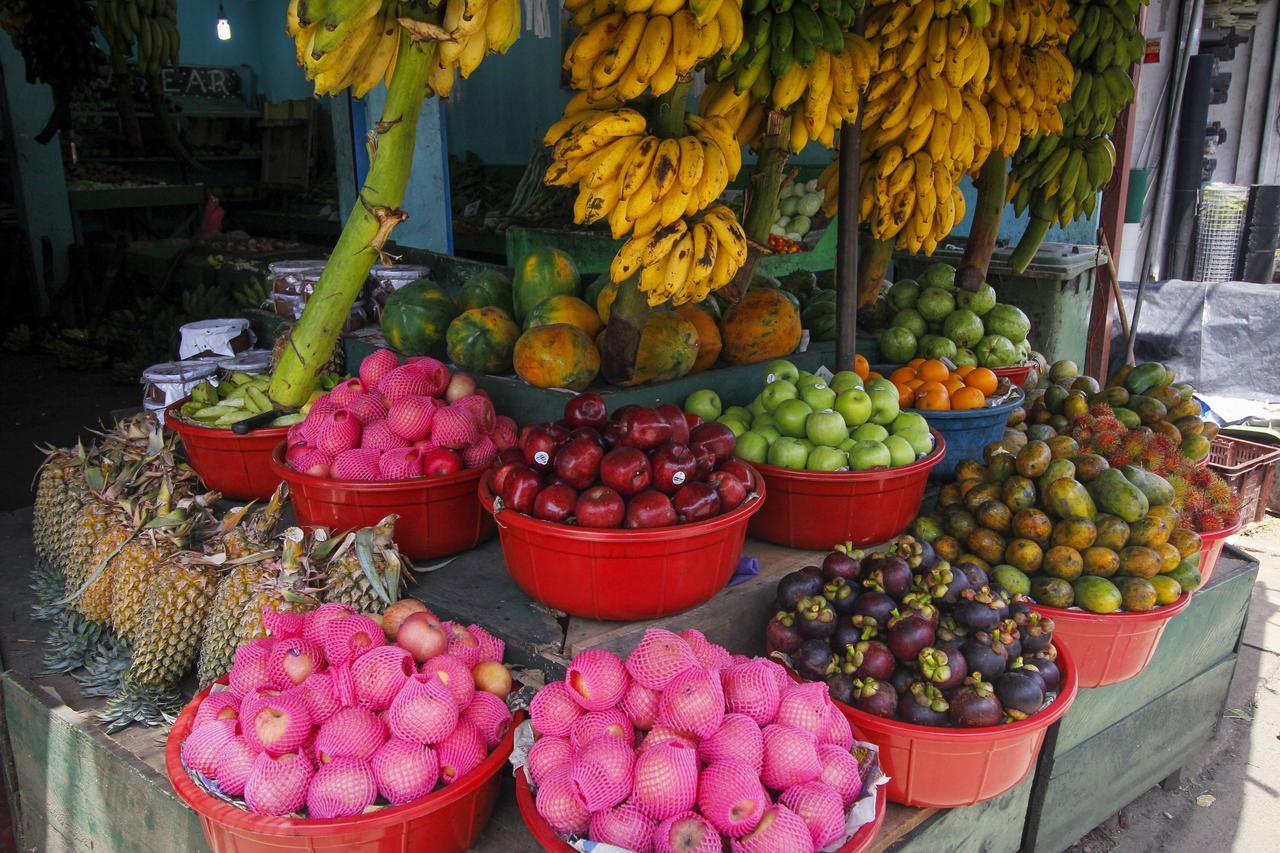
(166, 383)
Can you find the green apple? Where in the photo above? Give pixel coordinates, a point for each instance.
(704, 403)
(818, 395)
(742, 413)
(757, 407)
(884, 401)
(790, 417)
(870, 432)
(807, 378)
(854, 406)
(826, 428)
(808, 445)
(770, 432)
(920, 440)
(752, 446)
(900, 451)
(781, 369)
(738, 425)
(869, 454)
(844, 380)
(908, 421)
(777, 392)
(847, 444)
(788, 452)
(763, 420)
(827, 459)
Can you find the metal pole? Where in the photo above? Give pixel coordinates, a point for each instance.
(847, 246)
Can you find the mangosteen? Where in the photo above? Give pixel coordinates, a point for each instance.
(975, 704)
(908, 634)
(795, 586)
(948, 634)
(871, 659)
(1037, 631)
(1048, 668)
(903, 678)
(876, 605)
(924, 705)
(841, 595)
(976, 575)
(781, 633)
(1001, 599)
(815, 571)
(1021, 665)
(1009, 635)
(943, 668)
(874, 697)
(942, 582)
(912, 550)
(1020, 608)
(840, 686)
(983, 654)
(843, 562)
(812, 660)
(887, 573)
(921, 604)
(814, 617)
(1020, 692)
(977, 610)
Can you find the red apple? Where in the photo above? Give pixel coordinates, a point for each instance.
(650, 509)
(460, 385)
(644, 428)
(441, 462)
(497, 475)
(422, 637)
(676, 420)
(742, 471)
(673, 466)
(706, 459)
(715, 435)
(395, 614)
(511, 454)
(555, 503)
(577, 462)
(692, 420)
(731, 490)
(521, 487)
(611, 435)
(626, 470)
(492, 677)
(540, 444)
(600, 506)
(696, 502)
(586, 410)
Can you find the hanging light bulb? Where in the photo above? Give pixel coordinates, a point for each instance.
(224, 26)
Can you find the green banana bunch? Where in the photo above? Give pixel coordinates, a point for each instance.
(237, 398)
(252, 292)
(779, 33)
(1058, 178)
(150, 24)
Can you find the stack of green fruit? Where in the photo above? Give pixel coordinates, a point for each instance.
(815, 297)
(798, 204)
(933, 319)
(1066, 528)
(802, 422)
(239, 397)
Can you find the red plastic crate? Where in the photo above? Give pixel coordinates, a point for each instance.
(1248, 467)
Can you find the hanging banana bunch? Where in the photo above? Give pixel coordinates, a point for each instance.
(355, 44)
(685, 260)
(152, 24)
(1030, 74)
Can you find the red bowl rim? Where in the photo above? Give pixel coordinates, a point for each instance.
(871, 475)
(747, 509)
(1010, 371)
(1020, 397)
(1041, 720)
(1208, 537)
(173, 420)
(210, 807)
(1156, 614)
(415, 483)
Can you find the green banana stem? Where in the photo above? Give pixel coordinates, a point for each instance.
(986, 223)
(1027, 247)
(873, 263)
(762, 204)
(668, 112)
(366, 231)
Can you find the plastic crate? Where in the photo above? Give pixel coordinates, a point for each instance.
(1249, 468)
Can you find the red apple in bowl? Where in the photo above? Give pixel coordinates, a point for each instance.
(729, 488)
(650, 509)
(716, 436)
(692, 420)
(626, 470)
(555, 503)
(676, 420)
(521, 488)
(441, 462)
(577, 462)
(589, 433)
(497, 476)
(421, 636)
(742, 471)
(586, 410)
(696, 502)
(644, 428)
(601, 507)
(706, 459)
(673, 466)
(540, 445)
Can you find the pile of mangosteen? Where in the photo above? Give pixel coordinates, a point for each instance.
(902, 634)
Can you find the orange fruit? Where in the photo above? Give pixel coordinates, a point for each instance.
(873, 374)
(902, 374)
(915, 362)
(933, 401)
(913, 384)
(964, 370)
(982, 379)
(861, 367)
(967, 398)
(932, 386)
(953, 385)
(905, 394)
(933, 371)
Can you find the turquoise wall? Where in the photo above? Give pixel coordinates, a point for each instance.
(257, 40)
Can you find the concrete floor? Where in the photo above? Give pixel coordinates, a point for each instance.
(1229, 793)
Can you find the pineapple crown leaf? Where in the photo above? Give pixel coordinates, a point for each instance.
(364, 545)
(99, 569)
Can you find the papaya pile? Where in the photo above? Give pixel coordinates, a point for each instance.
(1066, 528)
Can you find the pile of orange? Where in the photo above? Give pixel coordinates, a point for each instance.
(929, 385)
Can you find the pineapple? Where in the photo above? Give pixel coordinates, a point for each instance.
(53, 495)
(367, 571)
(94, 602)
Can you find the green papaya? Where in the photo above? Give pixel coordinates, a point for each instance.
(1116, 395)
(1055, 396)
(1155, 487)
(1148, 409)
(1057, 470)
(1065, 498)
(1118, 496)
(1144, 376)
(1128, 417)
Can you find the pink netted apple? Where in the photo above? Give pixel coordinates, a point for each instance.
(421, 635)
(441, 462)
(395, 614)
(492, 677)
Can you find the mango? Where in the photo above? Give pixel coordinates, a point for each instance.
(1078, 533)
(1186, 541)
(1189, 425)
(1128, 417)
(1097, 595)
(1087, 384)
(1057, 470)
(1018, 493)
(1150, 530)
(1001, 467)
(1089, 466)
(1139, 561)
(1195, 447)
(1145, 376)
(1025, 554)
(1116, 495)
(994, 515)
(1065, 498)
(1033, 459)
(1063, 562)
(1031, 523)
(1136, 594)
(1052, 592)
(1099, 561)
(1113, 532)
(1167, 589)
(1187, 576)
(1117, 379)
(1166, 394)
(1113, 397)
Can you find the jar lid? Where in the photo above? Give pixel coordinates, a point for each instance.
(287, 267)
(229, 326)
(400, 272)
(171, 372)
(249, 361)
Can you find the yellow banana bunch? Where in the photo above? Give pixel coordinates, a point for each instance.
(620, 54)
(639, 183)
(585, 11)
(355, 43)
(1029, 75)
(685, 260)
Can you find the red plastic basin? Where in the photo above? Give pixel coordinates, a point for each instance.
(1211, 549)
(553, 843)
(1111, 647)
(238, 466)
(946, 768)
(1017, 375)
(439, 516)
(448, 821)
(622, 575)
(817, 509)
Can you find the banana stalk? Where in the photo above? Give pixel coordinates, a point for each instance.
(364, 234)
(1027, 247)
(986, 222)
(762, 202)
(873, 263)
